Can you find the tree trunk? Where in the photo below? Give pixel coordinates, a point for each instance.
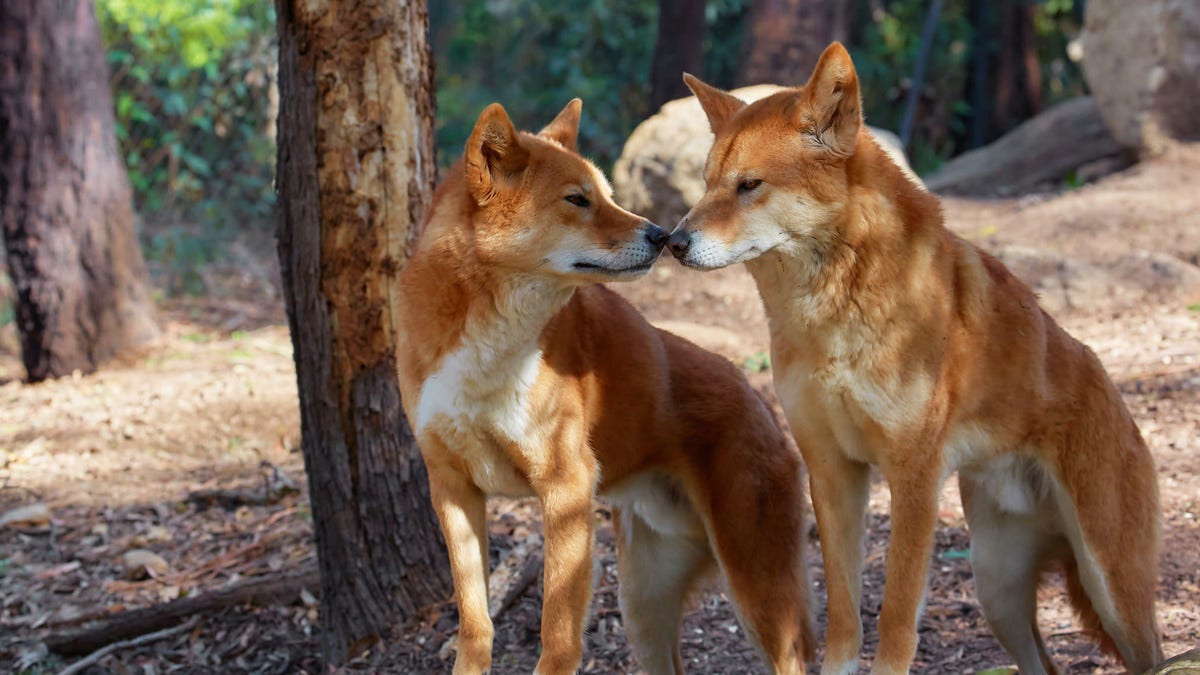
(1004, 84)
(679, 49)
(784, 38)
(355, 175)
(65, 201)
(978, 90)
(1018, 77)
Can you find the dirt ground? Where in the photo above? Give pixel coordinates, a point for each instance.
(121, 458)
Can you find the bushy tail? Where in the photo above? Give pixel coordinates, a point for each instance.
(1082, 604)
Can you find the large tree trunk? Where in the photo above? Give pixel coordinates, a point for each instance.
(679, 49)
(355, 174)
(784, 38)
(65, 201)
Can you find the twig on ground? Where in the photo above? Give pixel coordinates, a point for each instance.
(94, 658)
(275, 590)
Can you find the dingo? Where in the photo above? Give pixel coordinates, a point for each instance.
(898, 344)
(521, 376)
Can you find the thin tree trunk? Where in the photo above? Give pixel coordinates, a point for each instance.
(355, 174)
(784, 38)
(679, 49)
(65, 200)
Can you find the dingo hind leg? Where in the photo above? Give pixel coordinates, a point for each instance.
(1008, 552)
(656, 570)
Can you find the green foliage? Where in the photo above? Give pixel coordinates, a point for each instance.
(1056, 23)
(180, 253)
(885, 46)
(535, 55)
(200, 31)
(193, 88)
(885, 56)
(723, 41)
(192, 84)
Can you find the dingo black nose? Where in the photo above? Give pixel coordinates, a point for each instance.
(656, 236)
(679, 242)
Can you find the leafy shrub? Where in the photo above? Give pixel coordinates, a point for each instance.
(885, 44)
(535, 55)
(193, 82)
(885, 55)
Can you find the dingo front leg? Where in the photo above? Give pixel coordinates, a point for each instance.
(567, 580)
(914, 517)
(461, 509)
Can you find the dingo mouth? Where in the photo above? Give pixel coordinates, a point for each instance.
(596, 267)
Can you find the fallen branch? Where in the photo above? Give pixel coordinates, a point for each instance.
(231, 499)
(275, 486)
(528, 574)
(94, 658)
(268, 591)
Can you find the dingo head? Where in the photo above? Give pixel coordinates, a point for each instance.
(541, 208)
(776, 173)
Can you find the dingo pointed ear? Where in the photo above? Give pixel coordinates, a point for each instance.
(565, 128)
(494, 153)
(718, 105)
(834, 111)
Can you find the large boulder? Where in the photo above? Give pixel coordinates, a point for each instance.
(1141, 59)
(660, 173)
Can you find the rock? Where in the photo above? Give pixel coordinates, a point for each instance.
(1066, 284)
(1141, 59)
(1070, 137)
(139, 563)
(660, 172)
(31, 515)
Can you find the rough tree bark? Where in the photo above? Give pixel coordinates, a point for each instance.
(784, 38)
(65, 200)
(678, 49)
(355, 174)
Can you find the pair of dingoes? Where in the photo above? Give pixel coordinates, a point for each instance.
(894, 343)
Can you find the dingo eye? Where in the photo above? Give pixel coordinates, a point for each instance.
(578, 200)
(748, 185)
